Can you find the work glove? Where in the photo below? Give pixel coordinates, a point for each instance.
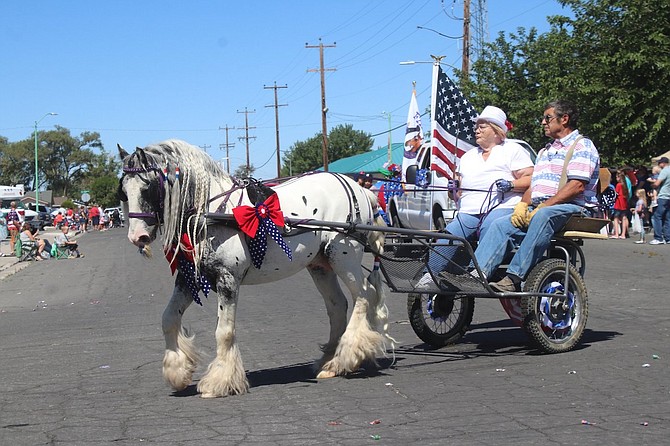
(504, 185)
(520, 217)
(534, 211)
(453, 185)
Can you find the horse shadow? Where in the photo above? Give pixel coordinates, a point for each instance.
(297, 373)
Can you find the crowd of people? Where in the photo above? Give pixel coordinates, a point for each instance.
(71, 222)
(642, 203)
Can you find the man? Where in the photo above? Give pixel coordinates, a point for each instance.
(661, 217)
(558, 190)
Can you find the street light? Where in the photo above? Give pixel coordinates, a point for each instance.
(37, 186)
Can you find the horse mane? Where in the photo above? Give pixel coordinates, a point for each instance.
(192, 175)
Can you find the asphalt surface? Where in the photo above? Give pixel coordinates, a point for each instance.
(81, 348)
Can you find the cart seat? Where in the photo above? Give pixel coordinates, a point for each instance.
(584, 227)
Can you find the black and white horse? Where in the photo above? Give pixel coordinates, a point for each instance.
(172, 185)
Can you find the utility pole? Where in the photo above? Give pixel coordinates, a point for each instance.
(324, 109)
(205, 147)
(276, 106)
(466, 39)
(227, 146)
(246, 136)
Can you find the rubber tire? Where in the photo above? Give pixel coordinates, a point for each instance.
(545, 272)
(438, 220)
(425, 329)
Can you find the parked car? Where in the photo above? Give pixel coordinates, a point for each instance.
(43, 216)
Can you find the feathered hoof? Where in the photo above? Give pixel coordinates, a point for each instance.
(326, 374)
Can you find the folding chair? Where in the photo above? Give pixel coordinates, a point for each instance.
(59, 252)
(25, 251)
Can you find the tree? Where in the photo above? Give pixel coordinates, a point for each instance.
(104, 191)
(612, 59)
(243, 172)
(623, 54)
(66, 160)
(16, 162)
(343, 141)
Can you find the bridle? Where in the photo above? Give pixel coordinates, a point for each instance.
(157, 215)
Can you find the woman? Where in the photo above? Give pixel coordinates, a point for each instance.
(491, 180)
(28, 240)
(13, 225)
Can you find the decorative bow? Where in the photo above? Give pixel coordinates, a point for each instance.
(186, 267)
(259, 221)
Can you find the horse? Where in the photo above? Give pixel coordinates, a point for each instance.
(172, 187)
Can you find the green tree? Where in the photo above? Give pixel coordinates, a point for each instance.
(612, 58)
(16, 163)
(622, 49)
(103, 191)
(343, 141)
(243, 172)
(65, 160)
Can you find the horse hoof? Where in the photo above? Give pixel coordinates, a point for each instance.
(208, 395)
(325, 374)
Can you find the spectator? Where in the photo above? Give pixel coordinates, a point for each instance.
(620, 213)
(13, 225)
(3, 231)
(640, 210)
(563, 184)
(29, 240)
(63, 241)
(83, 219)
(94, 216)
(58, 219)
(367, 182)
(661, 217)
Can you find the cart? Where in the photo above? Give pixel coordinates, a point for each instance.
(552, 306)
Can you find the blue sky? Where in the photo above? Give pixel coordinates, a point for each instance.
(140, 72)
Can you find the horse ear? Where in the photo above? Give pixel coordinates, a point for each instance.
(122, 153)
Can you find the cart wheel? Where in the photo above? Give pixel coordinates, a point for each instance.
(440, 319)
(555, 324)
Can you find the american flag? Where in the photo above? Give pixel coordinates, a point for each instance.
(453, 128)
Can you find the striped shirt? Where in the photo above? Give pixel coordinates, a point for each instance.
(584, 165)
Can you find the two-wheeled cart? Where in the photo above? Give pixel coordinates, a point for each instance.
(552, 307)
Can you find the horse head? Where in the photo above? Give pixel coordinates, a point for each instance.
(141, 189)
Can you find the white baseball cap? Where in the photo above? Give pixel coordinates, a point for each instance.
(493, 115)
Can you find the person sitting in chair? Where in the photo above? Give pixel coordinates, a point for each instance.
(63, 242)
(29, 240)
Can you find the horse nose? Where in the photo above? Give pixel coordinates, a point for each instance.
(144, 239)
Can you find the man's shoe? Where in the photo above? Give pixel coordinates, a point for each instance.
(657, 242)
(505, 285)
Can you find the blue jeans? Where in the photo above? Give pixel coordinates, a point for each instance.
(661, 220)
(464, 226)
(502, 236)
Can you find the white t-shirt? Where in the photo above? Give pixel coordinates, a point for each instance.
(481, 175)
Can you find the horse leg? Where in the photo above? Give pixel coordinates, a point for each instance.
(225, 374)
(336, 306)
(360, 342)
(181, 356)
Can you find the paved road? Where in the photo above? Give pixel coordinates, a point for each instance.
(81, 349)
